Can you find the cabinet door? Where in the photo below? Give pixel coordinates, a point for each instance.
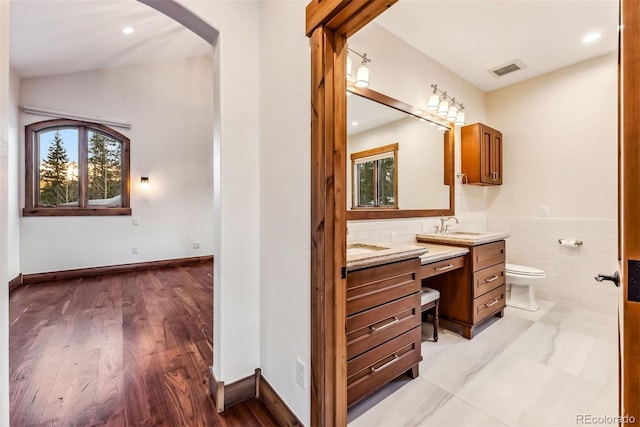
(486, 158)
(496, 157)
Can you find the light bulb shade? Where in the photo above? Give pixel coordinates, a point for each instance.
(362, 76)
(349, 67)
(443, 108)
(434, 100)
(453, 113)
(460, 118)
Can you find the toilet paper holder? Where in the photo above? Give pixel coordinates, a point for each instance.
(570, 242)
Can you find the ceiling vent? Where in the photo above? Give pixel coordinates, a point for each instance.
(508, 68)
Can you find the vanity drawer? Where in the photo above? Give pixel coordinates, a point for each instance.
(489, 303)
(373, 286)
(380, 365)
(488, 279)
(484, 256)
(429, 270)
(373, 327)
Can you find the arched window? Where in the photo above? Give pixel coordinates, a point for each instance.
(75, 168)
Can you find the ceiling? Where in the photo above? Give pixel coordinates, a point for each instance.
(468, 37)
(62, 36)
(473, 36)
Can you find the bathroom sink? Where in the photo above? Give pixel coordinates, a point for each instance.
(362, 248)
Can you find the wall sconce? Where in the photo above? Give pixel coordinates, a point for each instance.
(144, 181)
(445, 106)
(362, 75)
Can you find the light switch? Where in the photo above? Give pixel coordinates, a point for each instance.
(136, 220)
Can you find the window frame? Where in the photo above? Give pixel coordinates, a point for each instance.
(32, 162)
(361, 157)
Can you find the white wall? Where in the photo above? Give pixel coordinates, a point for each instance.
(4, 212)
(236, 217)
(560, 142)
(14, 177)
(285, 152)
(560, 152)
(169, 106)
(402, 72)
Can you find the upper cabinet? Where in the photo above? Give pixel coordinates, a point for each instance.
(482, 154)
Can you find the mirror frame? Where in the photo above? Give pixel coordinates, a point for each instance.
(448, 160)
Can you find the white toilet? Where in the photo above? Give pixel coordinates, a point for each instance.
(520, 284)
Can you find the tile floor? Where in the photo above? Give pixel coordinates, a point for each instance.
(540, 368)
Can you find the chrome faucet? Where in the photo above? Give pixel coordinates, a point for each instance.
(443, 228)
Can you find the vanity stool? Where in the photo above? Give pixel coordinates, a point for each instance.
(430, 301)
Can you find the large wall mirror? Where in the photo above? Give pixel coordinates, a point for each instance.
(399, 159)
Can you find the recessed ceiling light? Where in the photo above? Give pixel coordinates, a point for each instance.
(591, 37)
(128, 30)
(354, 123)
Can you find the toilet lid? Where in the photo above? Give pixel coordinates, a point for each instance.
(523, 270)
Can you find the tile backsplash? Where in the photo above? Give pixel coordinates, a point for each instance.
(570, 270)
(534, 242)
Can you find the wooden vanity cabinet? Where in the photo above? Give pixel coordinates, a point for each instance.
(383, 326)
(481, 154)
(470, 295)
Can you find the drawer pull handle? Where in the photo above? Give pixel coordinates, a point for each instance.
(494, 302)
(491, 279)
(390, 362)
(444, 267)
(386, 325)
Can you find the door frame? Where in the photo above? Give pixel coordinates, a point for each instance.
(328, 24)
(629, 162)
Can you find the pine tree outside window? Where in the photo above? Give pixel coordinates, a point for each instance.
(75, 168)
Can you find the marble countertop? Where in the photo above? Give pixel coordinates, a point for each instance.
(391, 252)
(439, 252)
(465, 238)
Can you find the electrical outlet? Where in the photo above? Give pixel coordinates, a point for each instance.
(301, 373)
(544, 211)
(196, 245)
(394, 237)
(135, 250)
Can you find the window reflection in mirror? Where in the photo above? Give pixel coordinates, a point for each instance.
(376, 183)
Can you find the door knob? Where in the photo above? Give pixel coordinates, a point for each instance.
(615, 278)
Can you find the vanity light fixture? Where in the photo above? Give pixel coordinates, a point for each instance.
(446, 106)
(362, 75)
(453, 111)
(460, 117)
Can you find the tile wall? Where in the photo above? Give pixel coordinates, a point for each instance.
(570, 270)
(533, 242)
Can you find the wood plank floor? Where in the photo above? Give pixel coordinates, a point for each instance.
(128, 349)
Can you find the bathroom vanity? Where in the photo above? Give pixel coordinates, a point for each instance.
(475, 291)
(383, 321)
(383, 326)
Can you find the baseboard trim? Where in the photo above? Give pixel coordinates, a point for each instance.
(17, 281)
(110, 269)
(278, 408)
(226, 395)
